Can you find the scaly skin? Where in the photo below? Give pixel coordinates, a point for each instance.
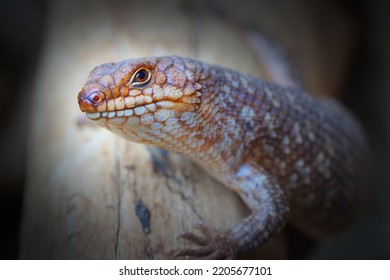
(290, 157)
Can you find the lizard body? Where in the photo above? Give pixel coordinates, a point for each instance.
(289, 156)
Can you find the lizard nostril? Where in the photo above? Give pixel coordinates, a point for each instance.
(96, 97)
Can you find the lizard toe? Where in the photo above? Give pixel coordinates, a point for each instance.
(212, 244)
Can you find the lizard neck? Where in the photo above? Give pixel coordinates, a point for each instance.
(226, 122)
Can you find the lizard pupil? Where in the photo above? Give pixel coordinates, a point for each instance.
(141, 75)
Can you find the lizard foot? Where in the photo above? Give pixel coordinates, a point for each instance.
(213, 244)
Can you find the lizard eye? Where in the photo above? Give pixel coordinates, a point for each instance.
(140, 78)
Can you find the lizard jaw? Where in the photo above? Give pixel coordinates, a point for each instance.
(143, 109)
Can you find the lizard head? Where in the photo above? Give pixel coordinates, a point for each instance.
(144, 99)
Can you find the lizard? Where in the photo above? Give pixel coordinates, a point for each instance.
(291, 158)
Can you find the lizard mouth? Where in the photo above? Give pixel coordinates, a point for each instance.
(97, 104)
(142, 109)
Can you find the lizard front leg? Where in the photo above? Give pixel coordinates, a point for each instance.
(269, 206)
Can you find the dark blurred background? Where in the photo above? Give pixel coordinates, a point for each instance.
(367, 92)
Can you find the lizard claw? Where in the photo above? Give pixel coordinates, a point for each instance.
(212, 244)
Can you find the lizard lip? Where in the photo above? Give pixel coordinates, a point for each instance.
(142, 109)
(119, 113)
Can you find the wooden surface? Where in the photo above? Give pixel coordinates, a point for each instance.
(86, 186)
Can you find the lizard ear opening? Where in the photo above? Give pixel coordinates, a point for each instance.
(140, 78)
